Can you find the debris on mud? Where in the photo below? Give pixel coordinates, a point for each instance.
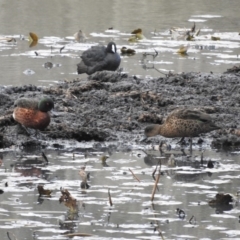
(112, 106)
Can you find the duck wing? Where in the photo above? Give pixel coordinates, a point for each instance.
(26, 103)
(94, 55)
(188, 114)
(93, 60)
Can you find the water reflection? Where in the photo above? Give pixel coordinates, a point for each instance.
(174, 164)
(29, 166)
(185, 185)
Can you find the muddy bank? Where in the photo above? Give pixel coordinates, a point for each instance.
(113, 106)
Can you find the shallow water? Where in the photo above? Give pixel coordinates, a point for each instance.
(62, 19)
(188, 186)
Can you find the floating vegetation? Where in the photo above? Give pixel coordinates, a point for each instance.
(183, 50)
(103, 159)
(69, 201)
(29, 72)
(48, 65)
(137, 31)
(213, 38)
(137, 35)
(43, 192)
(158, 197)
(33, 39)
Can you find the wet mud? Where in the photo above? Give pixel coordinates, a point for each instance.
(113, 106)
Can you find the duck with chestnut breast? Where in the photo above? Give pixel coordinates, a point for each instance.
(32, 113)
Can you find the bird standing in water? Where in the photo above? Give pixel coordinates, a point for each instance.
(99, 58)
(183, 123)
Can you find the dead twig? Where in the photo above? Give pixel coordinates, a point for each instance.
(153, 67)
(157, 180)
(157, 228)
(109, 198)
(160, 71)
(8, 235)
(151, 54)
(155, 186)
(61, 49)
(160, 165)
(78, 234)
(201, 158)
(134, 175)
(159, 232)
(192, 218)
(44, 157)
(153, 174)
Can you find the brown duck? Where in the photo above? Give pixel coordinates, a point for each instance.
(183, 123)
(33, 113)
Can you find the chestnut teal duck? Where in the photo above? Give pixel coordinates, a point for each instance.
(33, 113)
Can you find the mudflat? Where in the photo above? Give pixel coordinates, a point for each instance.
(113, 106)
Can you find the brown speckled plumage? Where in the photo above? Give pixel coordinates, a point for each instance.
(183, 123)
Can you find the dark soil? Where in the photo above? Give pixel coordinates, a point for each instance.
(112, 106)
